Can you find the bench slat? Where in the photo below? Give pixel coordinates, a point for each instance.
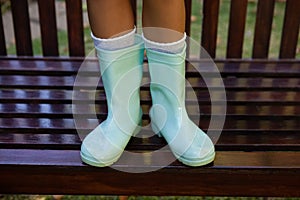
(257, 153)
(194, 116)
(263, 27)
(71, 158)
(62, 110)
(279, 140)
(134, 9)
(86, 124)
(75, 30)
(210, 26)
(290, 29)
(65, 167)
(21, 27)
(231, 83)
(49, 66)
(48, 27)
(237, 98)
(2, 36)
(260, 135)
(62, 67)
(238, 11)
(188, 14)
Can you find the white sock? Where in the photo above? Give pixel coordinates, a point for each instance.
(171, 47)
(119, 42)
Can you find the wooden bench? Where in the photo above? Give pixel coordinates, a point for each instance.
(258, 153)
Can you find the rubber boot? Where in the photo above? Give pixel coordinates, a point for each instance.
(169, 117)
(121, 72)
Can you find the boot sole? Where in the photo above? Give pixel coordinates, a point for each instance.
(90, 161)
(197, 162)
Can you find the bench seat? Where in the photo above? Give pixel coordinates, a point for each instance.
(257, 154)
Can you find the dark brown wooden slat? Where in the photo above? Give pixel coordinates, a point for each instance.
(262, 140)
(234, 98)
(263, 27)
(134, 9)
(42, 67)
(48, 27)
(254, 125)
(237, 107)
(42, 124)
(102, 115)
(231, 83)
(237, 22)
(39, 141)
(230, 167)
(290, 29)
(2, 36)
(210, 26)
(45, 125)
(72, 159)
(188, 14)
(35, 82)
(22, 27)
(226, 68)
(75, 27)
(229, 141)
(48, 96)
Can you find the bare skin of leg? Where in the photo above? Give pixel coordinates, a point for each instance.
(169, 15)
(110, 18)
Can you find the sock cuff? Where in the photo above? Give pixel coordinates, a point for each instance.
(115, 43)
(170, 47)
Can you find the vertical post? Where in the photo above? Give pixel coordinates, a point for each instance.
(290, 29)
(237, 23)
(75, 27)
(210, 26)
(22, 29)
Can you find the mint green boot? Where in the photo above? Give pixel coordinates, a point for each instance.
(169, 117)
(121, 72)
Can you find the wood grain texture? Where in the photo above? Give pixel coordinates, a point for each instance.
(237, 22)
(2, 36)
(263, 27)
(43, 117)
(48, 27)
(259, 146)
(290, 29)
(210, 26)
(75, 27)
(55, 170)
(22, 29)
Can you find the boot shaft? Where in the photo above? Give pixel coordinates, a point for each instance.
(121, 73)
(167, 73)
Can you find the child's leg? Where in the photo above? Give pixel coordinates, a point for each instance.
(166, 51)
(168, 14)
(120, 53)
(110, 17)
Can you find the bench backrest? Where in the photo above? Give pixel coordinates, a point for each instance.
(209, 34)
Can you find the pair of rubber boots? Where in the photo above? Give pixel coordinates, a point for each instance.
(121, 72)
